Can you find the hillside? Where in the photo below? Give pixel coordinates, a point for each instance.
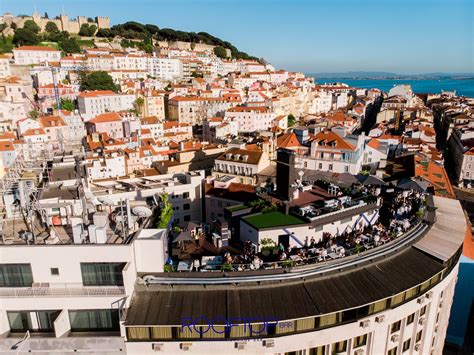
(130, 34)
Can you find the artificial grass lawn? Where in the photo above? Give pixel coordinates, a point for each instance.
(272, 219)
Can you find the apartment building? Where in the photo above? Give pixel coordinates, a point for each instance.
(194, 109)
(251, 118)
(27, 55)
(93, 103)
(335, 151)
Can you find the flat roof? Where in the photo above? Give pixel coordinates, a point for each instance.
(446, 236)
(162, 305)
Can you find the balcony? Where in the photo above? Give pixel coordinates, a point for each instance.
(62, 290)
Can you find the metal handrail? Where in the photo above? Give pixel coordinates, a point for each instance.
(86, 291)
(304, 270)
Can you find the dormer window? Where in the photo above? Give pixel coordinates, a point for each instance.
(236, 156)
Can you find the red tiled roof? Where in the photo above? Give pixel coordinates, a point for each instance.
(106, 117)
(36, 48)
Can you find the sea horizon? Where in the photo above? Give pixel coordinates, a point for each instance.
(464, 87)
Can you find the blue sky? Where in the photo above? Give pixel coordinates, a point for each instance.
(403, 36)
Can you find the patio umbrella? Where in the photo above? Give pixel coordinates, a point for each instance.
(370, 180)
(184, 236)
(347, 179)
(416, 185)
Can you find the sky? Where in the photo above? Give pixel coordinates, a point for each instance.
(401, 36)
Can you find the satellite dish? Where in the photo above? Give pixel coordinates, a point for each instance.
(141, 211)
(301, 173)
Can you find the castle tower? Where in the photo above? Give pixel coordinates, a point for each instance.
(102, 21)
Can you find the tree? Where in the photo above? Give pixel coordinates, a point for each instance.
(291, 120)
(6, 44)
(67, 105)
(24, 36)
(70, 45)
(166, 212)
(87, 30)
(32, 25)
(220, 52)
(46, 15)
(34, 114)
(13, 26)
(51, 27)
(138, 104)
(98, 80)
(105, 32)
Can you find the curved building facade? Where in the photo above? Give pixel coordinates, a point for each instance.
(394, 300)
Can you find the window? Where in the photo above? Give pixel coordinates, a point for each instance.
(329, 319)
(15, 275)
(339, 347)
(320, 350)
(21, 321)
(187, 218)
(330, 167)
(54, 271)
(422, 311)
(346, 168)
(392, 351)
(186, 206)
(411, 318)
(320, 166)
(406, 345)
(395, 327)
(418, 336)
(94, 320)
(361, 340)
(102, 274)
(185, 194)
(377, 306)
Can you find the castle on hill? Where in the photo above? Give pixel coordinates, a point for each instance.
(63, 22)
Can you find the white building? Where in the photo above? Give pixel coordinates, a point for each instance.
(165, 68)
(93, 103)
(27, 55)
(251, 118)
(4, 66)
(335, 152)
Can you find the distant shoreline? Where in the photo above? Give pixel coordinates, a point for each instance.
(415, 78)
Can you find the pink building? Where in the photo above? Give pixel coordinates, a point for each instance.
(110, 123)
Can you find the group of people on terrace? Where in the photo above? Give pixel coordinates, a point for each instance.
(399, 211)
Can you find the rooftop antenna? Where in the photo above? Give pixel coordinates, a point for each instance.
(64, 12)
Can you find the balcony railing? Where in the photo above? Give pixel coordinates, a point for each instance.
(62, 290)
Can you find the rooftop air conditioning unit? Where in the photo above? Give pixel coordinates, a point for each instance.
(359, 352)
(395, 337)
(429, 295)
(364, 324)
(417, 347)
(239, 345)
(185, 346)
(157, 346)
(380, 319)
(421, 321)
(269, 343)
(420, 300)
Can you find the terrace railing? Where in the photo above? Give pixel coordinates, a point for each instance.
(62, 290)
